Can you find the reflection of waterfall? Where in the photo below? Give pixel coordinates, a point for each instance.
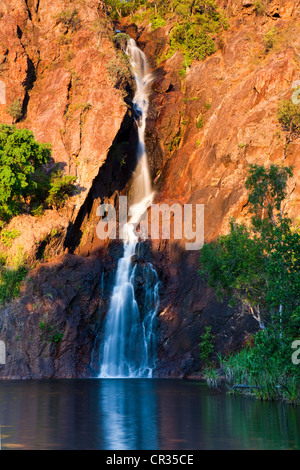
(129, 338)
(129, 414)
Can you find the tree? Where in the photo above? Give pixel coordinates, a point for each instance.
(259, 266)
(61, 187)
(288, 115)
(20, 157)
(15, 110)
(267, 190)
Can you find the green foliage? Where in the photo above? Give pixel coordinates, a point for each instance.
(260, 7)
(174, 144)
(61, 187)
(119, 70)
(288, 115)
(7, 236)
(15, 110)
(20, 157)
(23, 183)
(196, 22)
(11, 278)
(259, 267)
(192, 41)
(37, 210)
(254, 265)
(157, 21)
(120, 9)
(270, 39)
(199, 121)
(121, 39)
(206, 345)
(57, 337)
(50, 333)
(234, 265)
(84, 107)
(211, 376)
(266, 368)
(70, 19)
(267, 191)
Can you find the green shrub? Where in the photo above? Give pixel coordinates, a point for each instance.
(37, 210)
(7, 236)
(199, 121)
(121, 39)
(288, 115)
(206, 345)
(57, 337)
(156, 22)
(119, 70)
(10, 281)
(257, 267)
(196, 24)
(260, 7)
(61, 187)
(15, 110)
(20, 157)
(270, 39)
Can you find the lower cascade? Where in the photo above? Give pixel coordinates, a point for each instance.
(129, 339)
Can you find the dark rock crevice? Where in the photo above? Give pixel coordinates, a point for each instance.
(112, 178)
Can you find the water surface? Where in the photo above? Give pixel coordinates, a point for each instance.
(137, 414)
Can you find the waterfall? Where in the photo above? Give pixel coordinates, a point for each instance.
(129, 346)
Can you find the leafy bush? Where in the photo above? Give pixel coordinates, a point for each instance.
(121, 39)
(258, 267)
(199, 121)
(206, 345)
(23, 183)
(10, 281)
(288, 115)
(7, 236)
(120, 9)
(61, 187)
(157, 21)
(15, 110)
(269, 39)
(119, 70)
(196, 23)
(260, 7)
(20, 157)
(11, 276)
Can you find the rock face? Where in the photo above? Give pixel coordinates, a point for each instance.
(58, 72)
(202, 133)
(226, 118)
(51, 330)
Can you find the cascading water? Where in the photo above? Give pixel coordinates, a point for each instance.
(129, 347)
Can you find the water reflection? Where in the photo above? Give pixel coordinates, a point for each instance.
(121, 414)
(130, 418)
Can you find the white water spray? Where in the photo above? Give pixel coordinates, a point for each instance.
(129, 336)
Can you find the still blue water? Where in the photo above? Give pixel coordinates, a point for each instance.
(137, 414)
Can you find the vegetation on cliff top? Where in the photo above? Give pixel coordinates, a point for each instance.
(194, 23)
(259, 267)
